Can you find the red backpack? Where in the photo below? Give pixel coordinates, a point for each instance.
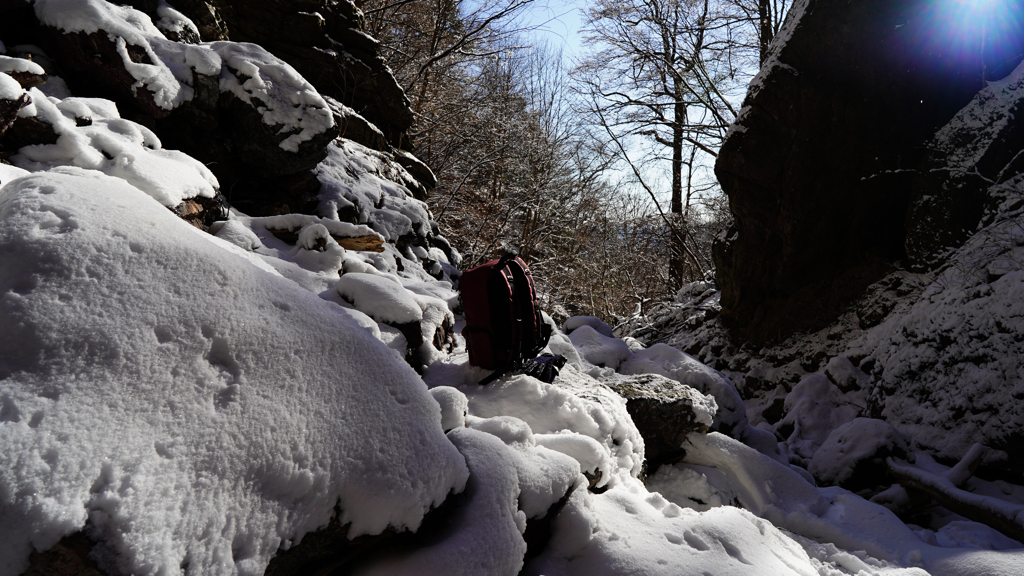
(503, 322)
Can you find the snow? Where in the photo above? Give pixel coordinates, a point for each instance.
(814, 408)
(486, 535)
(363, 180)
(728, 508)
(8, 173)
(454, 406)
(950, 367)
(198, 401)
(848, 445)
(116, 147)
(572, 406)
(9, 88)
(599, 349)
(980, 121)
(102, 339)
(285, 100)
(172, 20)
(379, 298)
(167, 81)
(236, 233)
(283, 97)
(9, 65)
(575, 322)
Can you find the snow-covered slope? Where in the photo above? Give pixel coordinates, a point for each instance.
(201, 403)
(188, 402)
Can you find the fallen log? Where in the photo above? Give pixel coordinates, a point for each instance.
(1004, 516)
(368, 243)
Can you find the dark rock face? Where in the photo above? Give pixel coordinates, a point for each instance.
(664, 412)
(91, 65)
(980, 148)
(68, 556)
(324, 550)
(323, 41)
(9, 111)
(819, 166)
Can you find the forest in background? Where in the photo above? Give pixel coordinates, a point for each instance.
(596, 169)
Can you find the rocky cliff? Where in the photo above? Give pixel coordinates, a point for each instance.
(836, 168)
(162, 77)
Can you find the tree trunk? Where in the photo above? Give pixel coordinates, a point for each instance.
(764, 13)
(677, 264)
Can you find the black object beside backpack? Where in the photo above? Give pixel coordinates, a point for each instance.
(503, 322)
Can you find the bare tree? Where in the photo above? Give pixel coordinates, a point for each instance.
(661, 80)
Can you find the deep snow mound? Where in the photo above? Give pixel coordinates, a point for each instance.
(181, 401)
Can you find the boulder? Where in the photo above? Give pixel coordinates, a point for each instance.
(206, 16)
(853, 456)
(9, 109)
(261, 146)
(664, 412)
(819, 164)
(324, 42)
(202, 212)
(92, 66)
(420, 171)
(354, 127)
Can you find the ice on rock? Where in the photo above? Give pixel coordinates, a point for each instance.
(184, 401)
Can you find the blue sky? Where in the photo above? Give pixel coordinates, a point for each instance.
(559, 22)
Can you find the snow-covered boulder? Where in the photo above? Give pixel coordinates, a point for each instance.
(183, 405)
(664, 412)
(115, 146)
(853, 456)
(599, 349)
(576, 321)
(814, 408)
(731, 416)
(380, 298)
(235, 106)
